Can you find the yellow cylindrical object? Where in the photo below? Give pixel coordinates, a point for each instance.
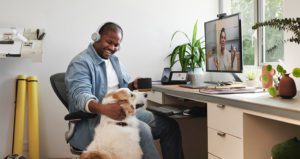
(33, 118)
(18, 138)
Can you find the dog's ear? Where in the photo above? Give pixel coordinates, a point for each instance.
(121, 95)
(128, 108)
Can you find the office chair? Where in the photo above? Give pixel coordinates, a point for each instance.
(58, 84)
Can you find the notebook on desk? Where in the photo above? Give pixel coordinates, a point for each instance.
(234, 90)
(196, 86)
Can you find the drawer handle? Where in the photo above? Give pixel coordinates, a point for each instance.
(222, 134)
(221, 105)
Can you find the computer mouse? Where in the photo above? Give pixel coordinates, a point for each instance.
(195, 111)
(186, 112)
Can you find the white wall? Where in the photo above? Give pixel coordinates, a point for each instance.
(291, 50)
(148, 26)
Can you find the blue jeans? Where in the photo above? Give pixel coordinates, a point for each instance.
(158, 127)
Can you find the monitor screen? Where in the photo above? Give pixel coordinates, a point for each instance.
(223, 44)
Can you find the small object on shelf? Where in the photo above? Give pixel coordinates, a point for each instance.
(7, 42)
(13, 55)
(14, 156)
(41, 37)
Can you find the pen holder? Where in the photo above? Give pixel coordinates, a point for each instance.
(144, 84)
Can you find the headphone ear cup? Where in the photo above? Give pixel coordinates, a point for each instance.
(95, 36)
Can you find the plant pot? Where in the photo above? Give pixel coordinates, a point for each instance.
(250, 83)
(287, 87)
(196, 77)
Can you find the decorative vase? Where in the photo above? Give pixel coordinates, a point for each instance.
(266, 77)
(287, 87)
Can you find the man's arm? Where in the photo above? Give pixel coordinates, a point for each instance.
(113, 110)
(133, 85)
(233, 55)
(79, 86)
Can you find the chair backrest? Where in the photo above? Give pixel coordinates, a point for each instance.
(58, 84)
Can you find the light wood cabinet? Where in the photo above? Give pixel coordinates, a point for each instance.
(224, 145)
(225, 131)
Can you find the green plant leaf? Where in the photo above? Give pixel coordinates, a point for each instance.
(272, 91)
(280, 69)
(283, 72)
(186, 63)
(181, 33)
(296, 72)
(265, 78)
(251, 75)
(182, 52)
(269, 68)
(173, 55)
(195, 33)
(190, 54)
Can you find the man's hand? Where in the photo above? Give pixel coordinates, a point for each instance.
(233, 53)
(134, 84)
(216, 62)
(113, 110)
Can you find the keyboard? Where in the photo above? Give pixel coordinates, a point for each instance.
(165, 110)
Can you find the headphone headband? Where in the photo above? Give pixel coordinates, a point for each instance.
(96, 36)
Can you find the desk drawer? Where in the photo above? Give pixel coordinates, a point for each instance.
(156, 97)
(224, 145)
(225, 118)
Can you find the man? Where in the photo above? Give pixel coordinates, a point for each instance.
(97, 70)
(224, 60)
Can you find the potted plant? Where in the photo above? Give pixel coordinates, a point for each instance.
(284, 85)
(191, 55)
(286, 24)
(251, 76)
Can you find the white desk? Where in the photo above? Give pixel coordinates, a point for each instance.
(240, 125)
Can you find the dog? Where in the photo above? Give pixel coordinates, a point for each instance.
(118, 139)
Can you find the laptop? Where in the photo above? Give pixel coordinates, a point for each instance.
(196, 86)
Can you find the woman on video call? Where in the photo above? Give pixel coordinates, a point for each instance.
(224, 60)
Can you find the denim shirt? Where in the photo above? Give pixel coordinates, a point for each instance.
(86, 79)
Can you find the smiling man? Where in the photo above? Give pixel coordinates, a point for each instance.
(94, 72)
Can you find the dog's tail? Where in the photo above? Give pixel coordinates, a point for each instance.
(96, 155)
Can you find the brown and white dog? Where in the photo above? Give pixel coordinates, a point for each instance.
(118, 139)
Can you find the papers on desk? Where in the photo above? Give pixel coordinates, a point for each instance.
(231, 90)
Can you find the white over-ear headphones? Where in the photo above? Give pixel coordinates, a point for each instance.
(96, 36)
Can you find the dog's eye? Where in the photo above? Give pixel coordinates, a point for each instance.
(131, 95)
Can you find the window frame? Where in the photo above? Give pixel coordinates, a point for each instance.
(259, 11)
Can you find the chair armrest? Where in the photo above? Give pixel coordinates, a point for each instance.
(73, 118)
(79, 115)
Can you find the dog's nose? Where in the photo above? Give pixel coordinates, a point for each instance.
(145, 95)
(139, 105)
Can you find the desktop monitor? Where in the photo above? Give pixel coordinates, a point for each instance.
(223, 44)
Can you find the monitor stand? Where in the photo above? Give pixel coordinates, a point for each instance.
(236, 77)
(223, 83)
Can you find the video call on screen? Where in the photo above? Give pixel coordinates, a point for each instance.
(223, 44)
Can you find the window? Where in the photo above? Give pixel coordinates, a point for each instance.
(265, 44)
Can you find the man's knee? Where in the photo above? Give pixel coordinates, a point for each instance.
(145, 131)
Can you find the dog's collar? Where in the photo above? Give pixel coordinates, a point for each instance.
(122, 124)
